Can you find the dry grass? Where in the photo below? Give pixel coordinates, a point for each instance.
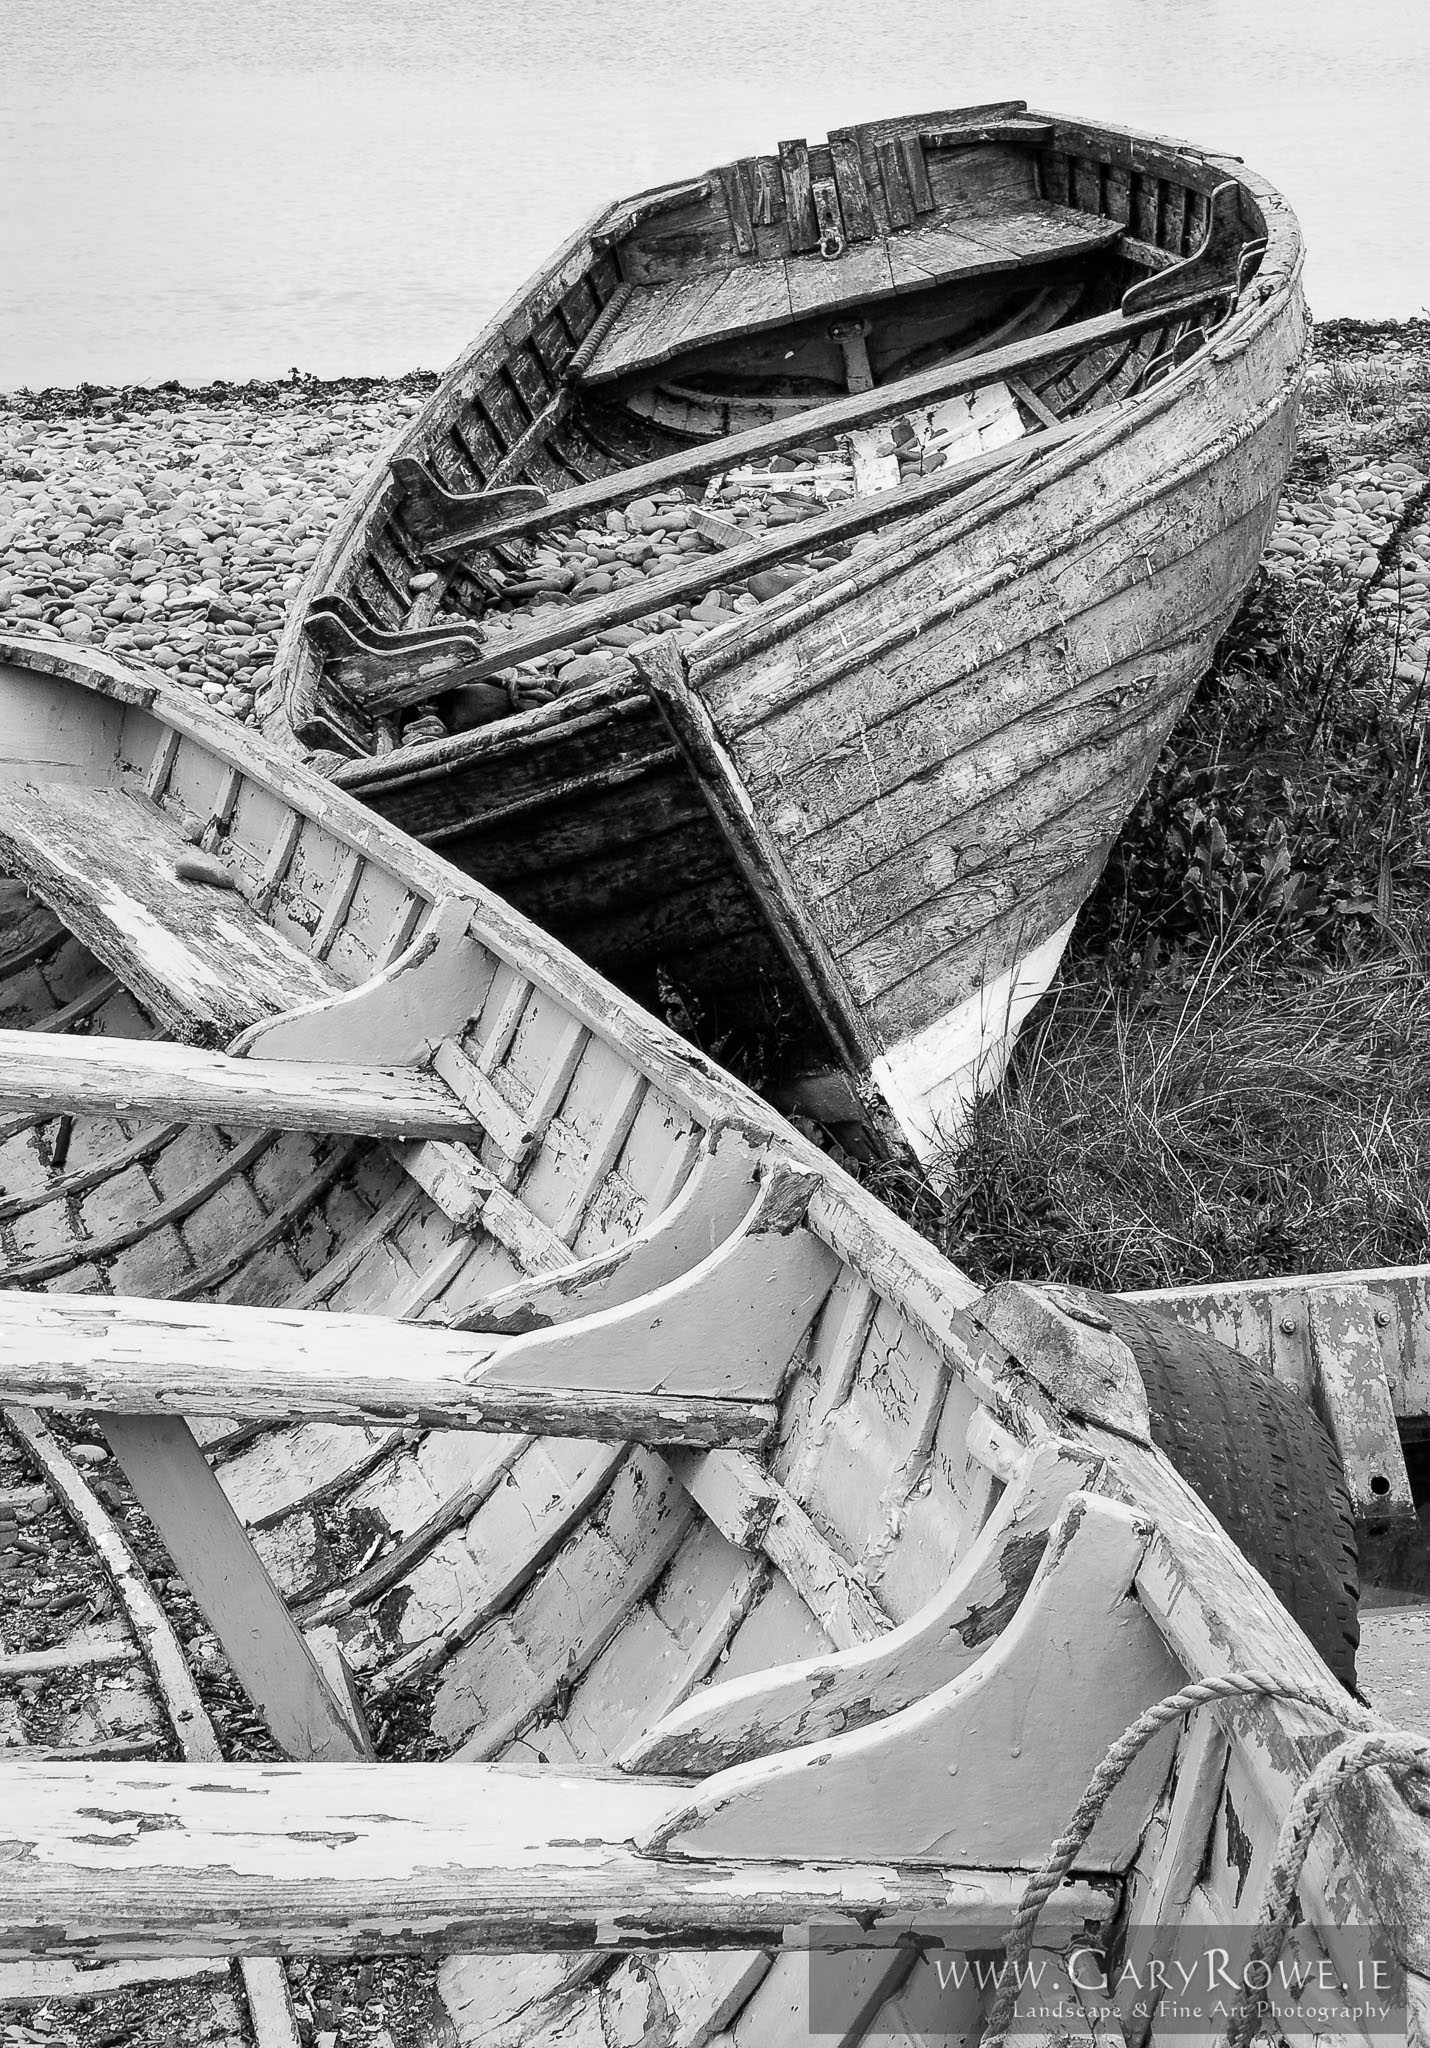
(1226, 1120)
(1233, 1079)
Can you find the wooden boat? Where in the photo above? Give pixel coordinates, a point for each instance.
(565, 1413)
(946, 448)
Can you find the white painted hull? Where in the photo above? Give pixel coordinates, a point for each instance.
(932, 1079)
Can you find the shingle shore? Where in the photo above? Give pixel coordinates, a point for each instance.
(178, 531)
(175, 527)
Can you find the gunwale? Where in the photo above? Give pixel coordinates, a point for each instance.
(1211, 1608)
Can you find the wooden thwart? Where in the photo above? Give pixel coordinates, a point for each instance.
(471, 520)
(658, 325)
(142, 1859)
(700, 1360)
(161, 1358)
(105, 1076)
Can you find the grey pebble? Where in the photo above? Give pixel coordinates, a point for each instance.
(202, 867)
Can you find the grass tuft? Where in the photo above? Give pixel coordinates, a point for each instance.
(1224, 1120)
(1232, 1079)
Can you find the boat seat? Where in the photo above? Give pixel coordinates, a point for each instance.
(700, 1359)
(112, 1860)
(197, 956)
(661, 321)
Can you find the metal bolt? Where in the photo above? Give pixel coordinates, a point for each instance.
(1382, 1318)
(1288, 1326)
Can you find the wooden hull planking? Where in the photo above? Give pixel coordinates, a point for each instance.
(938, 775)
(566, 1607)
(586, 822)
(583, 819)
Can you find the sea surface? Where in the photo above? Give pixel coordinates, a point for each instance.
(239, 188)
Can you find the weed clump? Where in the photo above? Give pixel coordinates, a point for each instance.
(1225, 1119)
(1232, 1078)
(1293, 797)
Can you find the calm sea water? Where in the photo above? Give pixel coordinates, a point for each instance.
(202, 188)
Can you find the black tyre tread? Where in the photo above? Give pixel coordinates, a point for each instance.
(1257, 1456)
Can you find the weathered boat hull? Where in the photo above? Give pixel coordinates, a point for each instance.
(707, 1700)
(937, 773)
(984, 689)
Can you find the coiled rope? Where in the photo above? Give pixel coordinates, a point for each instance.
(1375, 1743)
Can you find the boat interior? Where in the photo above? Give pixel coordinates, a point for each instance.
(774, 364)
(511, 1389)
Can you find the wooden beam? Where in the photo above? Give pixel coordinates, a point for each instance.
(662, 668)
(478, 528)
(392, 681)
(183, 1498)
(699, 1360)
(48, 1076)
(156, 1358)
(138, 1859)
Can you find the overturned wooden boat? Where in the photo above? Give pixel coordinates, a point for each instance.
(889, 495)
(564, 1413)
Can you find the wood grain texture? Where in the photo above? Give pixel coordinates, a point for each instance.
(297, 1859)
(105, 862)
(93, 1076)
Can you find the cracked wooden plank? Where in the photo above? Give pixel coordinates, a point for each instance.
(96, 1076)
(133, 1860)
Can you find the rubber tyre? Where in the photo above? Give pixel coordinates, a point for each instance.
(1264, 1464)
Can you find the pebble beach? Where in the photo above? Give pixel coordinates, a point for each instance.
(173, 528)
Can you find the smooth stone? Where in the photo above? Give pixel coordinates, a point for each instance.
(768, 583)
(474, 704)
(586, 668)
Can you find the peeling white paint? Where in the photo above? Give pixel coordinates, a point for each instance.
(932, 1079)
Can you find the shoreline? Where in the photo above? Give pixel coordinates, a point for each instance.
(1344, 334)
(173, 526)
